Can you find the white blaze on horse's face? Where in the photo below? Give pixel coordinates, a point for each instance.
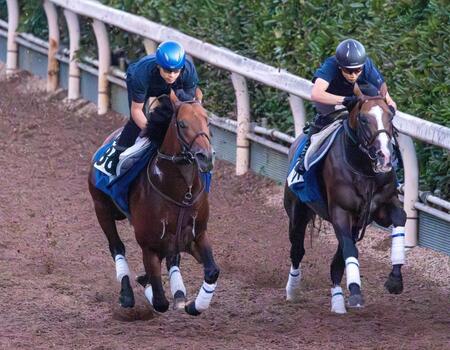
(383, 163)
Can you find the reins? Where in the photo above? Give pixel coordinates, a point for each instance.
(185, 157)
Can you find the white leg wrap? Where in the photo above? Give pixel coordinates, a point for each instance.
(149, 293)
(176, 281)
(337, 300)
(122, 268)
(352, 271)
(293, 284)
(204, 296)
(398, 245)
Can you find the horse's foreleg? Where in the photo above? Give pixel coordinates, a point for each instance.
(343, 229)
(177, 287)
(211, 270)
(394, 283)
(337, 269)
(154, 291)
(105, 212)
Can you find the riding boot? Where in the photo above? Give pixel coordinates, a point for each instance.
(309, 130)
(108, 162)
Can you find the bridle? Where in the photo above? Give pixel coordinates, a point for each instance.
(364, 136)
(186, 156)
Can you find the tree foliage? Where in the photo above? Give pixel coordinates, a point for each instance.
(407, 39)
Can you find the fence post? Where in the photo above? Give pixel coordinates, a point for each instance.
(243, 124)
(298, 112)
(150, 46)
(411, 190)
(13, 23)
(53, 45)
(74, 71)
(104, 61)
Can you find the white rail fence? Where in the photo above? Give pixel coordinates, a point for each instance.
(240, 68)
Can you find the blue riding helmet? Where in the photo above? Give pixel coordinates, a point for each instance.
(170, 55)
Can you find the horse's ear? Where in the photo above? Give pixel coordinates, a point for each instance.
(353, 113)
(198, 95)
(173, 97)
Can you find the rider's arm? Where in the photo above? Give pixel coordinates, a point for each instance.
(319, 93)
(138, 115)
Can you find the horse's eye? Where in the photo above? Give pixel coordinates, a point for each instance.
(182, 124)
(364, 120)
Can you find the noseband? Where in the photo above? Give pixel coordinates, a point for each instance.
(186, 156)
(364, 137)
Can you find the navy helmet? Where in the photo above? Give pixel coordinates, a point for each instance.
(350, 53)
(170, 55)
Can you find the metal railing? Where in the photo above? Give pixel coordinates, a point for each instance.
(240, 69)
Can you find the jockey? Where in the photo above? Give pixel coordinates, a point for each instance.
(151, 76)
(339, 81)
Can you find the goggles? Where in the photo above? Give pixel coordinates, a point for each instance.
(168, 70)
(352, 70)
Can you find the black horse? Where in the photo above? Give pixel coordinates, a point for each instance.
(359, 186)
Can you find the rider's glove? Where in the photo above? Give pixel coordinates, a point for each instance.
(350, 102)
(392, 109)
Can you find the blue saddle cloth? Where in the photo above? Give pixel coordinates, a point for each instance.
(117, 188)
(307, 186)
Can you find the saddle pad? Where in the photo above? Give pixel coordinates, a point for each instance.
(321, 143)
(117, 187)
(132, 162)
(307, 186)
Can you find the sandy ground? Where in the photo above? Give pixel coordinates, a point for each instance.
(57, 279)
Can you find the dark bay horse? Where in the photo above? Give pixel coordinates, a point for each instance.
(359, 185)
(169, 212)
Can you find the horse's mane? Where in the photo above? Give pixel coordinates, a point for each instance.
(158, 120)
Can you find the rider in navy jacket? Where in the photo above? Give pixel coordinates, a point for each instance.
(340, 80)
(152, 76)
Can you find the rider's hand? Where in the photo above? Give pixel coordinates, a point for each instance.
(392, 109)
(350, 101)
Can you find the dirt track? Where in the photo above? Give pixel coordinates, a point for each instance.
(57, 279)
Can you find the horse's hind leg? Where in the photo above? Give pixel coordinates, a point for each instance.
(177, 287)
(211, 271)
(154, 291)
(299, 215)
(337, 272)
(106, 215)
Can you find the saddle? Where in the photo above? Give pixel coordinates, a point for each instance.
(131, 162)
(307, 186)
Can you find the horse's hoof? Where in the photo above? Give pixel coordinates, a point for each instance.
(127, 301)
(394, 284)
(126, 298)
(355, 301)
(179, 300)
(161, 306)
(190, 309)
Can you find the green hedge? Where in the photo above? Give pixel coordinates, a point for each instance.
(407, 39)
